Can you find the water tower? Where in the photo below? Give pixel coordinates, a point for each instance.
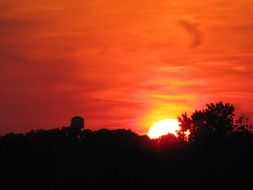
(77, 123)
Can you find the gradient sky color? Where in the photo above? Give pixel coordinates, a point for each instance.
(121, 64)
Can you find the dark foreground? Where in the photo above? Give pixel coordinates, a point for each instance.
(120, 159)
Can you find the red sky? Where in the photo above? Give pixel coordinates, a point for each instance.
(121, 64)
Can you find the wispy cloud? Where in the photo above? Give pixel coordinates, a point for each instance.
(194, 30)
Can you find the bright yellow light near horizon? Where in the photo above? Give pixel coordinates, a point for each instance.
(163, 127)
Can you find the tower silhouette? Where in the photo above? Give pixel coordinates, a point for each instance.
(77, 123)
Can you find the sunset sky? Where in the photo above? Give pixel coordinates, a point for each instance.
(121, 64)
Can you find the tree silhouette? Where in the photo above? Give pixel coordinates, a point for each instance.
(76, 158)
(213, 122)
(185, 125)
(242, 124)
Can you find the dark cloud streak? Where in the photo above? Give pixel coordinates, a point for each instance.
(193, 29)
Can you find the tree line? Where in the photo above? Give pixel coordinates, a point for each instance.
(217, 153)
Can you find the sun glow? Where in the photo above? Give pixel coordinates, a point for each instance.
(163, 127)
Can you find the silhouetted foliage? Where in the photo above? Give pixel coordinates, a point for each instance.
(242, 124)
(185, 125)
(214, 123)
(60, 159)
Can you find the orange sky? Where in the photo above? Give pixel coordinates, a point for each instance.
(121, 64)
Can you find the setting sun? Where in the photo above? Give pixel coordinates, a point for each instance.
(163, 127)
